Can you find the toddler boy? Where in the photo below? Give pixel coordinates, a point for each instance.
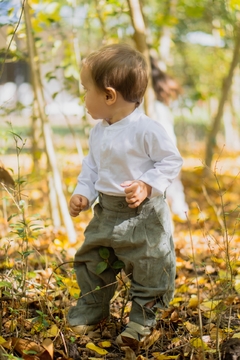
(130, 164)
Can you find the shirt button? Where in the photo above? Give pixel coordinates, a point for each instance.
(120, 205)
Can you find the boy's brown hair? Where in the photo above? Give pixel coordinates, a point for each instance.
(121, 67)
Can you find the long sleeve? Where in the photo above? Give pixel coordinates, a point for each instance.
(167, 161)
(87, 178)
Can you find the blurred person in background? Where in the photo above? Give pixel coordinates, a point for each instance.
(166, 90)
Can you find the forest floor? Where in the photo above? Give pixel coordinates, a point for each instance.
(38, 285)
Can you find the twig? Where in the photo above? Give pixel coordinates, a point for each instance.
(211, 203)
(11, 196)
(64, 344)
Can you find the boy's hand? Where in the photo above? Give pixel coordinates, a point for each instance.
(136, 191)
(77, 203)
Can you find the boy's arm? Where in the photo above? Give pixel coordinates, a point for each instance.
(87, 179)
(167, 161)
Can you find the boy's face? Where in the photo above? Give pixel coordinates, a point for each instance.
(95, 99)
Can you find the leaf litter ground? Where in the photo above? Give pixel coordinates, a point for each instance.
(38, 285)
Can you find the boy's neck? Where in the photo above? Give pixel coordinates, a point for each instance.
(120, 111)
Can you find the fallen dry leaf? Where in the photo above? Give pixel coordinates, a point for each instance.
(48, 345)
(104, 344)
(97, 349)
(2, 340)
(23, 347)
(159, 356)
(129, 353)
(151, 339)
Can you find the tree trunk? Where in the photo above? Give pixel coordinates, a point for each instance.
(141, 44)
(225, 91)
(170, 11)
(36, 135)
(46, 129)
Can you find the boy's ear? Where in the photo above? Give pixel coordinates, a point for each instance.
(110, 95)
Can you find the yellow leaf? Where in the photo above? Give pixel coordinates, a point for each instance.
(52, 332)
(176, 300)
(224, 275)
(237, 283)
(97, 349)
(160, 356)
(127, 309)
(217, 260)
(201, 280)
(105, 344)
(237, 335)
(37, 327)
(182, 289)
(11, 325)
(2, 340)
(198, 343)
(193, 302)
(192, 328)
(209, 305)
(72, 286)
(175, 340)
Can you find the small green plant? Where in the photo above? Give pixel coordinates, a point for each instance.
(105, 264)
(23, 227)
(41, 319)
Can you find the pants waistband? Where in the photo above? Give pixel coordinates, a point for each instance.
(119, 204)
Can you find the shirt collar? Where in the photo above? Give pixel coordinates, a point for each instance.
(123, 122)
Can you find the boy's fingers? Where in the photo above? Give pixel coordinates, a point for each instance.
(126, 183)
(84, 203)
(76, 206)
(74, 213)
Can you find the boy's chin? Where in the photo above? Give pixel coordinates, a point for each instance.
(95, 117)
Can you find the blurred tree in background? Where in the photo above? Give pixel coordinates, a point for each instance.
(195, 41)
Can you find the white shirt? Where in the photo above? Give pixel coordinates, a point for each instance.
(134, 148)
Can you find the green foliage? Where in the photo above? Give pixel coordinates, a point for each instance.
(103, 265)
(5, 284)
(66, 31)
(104, 253)
(41, 319)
